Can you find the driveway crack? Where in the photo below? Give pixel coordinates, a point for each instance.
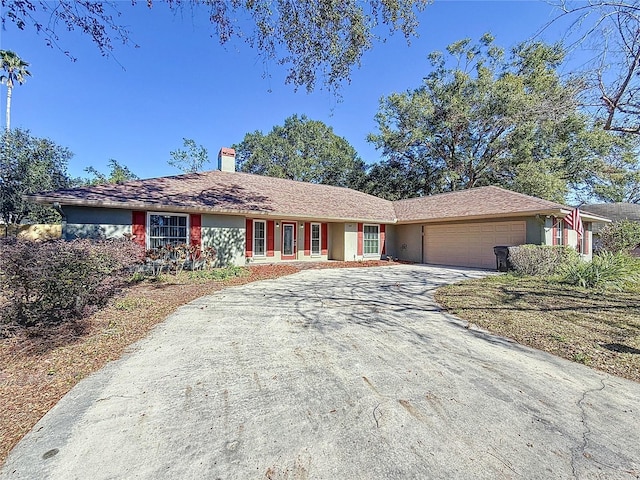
(581, 450)
(102, 399)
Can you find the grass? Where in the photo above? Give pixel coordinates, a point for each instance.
(595, 328)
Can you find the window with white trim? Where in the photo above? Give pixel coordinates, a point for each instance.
(259, 238)
(371, 239)
(315, 239)
(167, 229)
(559, 233)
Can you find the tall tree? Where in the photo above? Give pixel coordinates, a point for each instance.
(618, 173)
(607, 34)
(191, 159)
(323, 38)
(28, 165)
(15, 71)
(118, 173)
(301, 149)
(483, 118)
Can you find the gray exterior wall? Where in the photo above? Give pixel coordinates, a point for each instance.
(225, 233)
(390, 241)
(408, 242)
(536, 231)
(86, 222)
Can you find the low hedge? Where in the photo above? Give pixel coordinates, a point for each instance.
(540, 259)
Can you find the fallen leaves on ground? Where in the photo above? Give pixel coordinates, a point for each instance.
(40, 365)
(598, 329)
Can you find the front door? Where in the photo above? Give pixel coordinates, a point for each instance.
(288, 241)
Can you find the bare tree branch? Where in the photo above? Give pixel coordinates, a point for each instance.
(612, 30)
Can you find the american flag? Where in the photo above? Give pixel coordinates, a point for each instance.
(574, 221)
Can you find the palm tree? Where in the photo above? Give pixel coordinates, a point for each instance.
(16, 71)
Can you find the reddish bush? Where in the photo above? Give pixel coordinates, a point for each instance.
(48, 282)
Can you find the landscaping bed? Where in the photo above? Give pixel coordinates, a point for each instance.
(39, 365)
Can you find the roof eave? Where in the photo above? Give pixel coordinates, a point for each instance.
(556, 212)
(492, 216)
(133, 205)
(594, 218)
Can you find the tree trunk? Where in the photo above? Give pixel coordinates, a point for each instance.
(8, 108)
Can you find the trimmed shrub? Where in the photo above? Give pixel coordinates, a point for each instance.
(49, 282)
(540, 259)
(607, 270)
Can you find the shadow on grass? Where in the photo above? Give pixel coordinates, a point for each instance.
(621, 348)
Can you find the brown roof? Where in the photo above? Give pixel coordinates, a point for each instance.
(230, 192)
(481, 202)
(246, 194)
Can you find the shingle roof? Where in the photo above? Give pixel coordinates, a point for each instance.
(231, 192)
(246, 194)
(615, 211)
(478, 202)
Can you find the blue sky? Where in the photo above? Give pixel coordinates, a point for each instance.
(180, 82)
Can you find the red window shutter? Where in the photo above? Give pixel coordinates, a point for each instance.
(138, 222)
(307, 239)
(554, 230)
(587, 238)
(360, 238)
(271, 230)
(323, 239)
(249, 235)
(195, 230)
(383, 230)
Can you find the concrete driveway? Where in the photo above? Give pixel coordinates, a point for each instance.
(335, 374)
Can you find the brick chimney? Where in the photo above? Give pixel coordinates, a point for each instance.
(227, 160)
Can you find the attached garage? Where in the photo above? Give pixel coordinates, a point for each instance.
(470, 244)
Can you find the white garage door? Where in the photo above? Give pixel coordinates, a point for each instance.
(470, 244)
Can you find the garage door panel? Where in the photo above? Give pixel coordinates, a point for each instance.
(470, 245)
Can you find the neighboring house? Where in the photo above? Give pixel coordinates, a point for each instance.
(615, 212)
(252, 218)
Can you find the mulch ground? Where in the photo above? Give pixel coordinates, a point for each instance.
(38, 366)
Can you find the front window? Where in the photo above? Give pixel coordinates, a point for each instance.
(371, 240)
(259, 238)
(560, 233)
(315, 239)
(167, 229)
